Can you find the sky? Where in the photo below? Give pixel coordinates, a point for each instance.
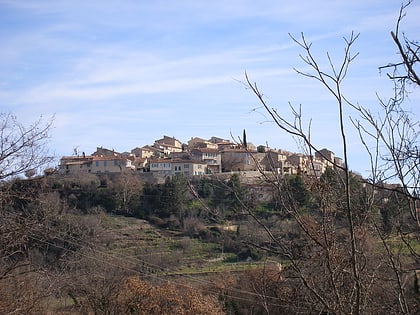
(122, 74)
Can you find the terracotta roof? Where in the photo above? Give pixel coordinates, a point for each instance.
(77, 158)
(240, 151)
(77, 163)
(205, 150)
(187, 161)
(108, 158)
(176, 161)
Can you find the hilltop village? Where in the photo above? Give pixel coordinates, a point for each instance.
(168, 157)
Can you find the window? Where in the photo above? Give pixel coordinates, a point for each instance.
(105, 163)
(186, 165)
(97, 163)
(115, 163)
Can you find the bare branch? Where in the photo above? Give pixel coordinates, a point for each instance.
(22, 148)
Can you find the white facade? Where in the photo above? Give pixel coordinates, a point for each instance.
(173, 167)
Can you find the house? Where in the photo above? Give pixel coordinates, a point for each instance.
(218, 140)
(299, 163)
(189, 168)
(328, 158)
(184, 155)
(276, 161)
(224, 146)
(168, 145)
(200, 143)
(211, 157)
(100, 151)
(241, 160)
(169, 141)
(72, 165)
(309, 165)
(114, 164)
(147, 152)
(318, 167)
(75, 164)
(170, 167)
(161, 166)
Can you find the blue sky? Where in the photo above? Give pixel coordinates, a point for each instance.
(121, 74)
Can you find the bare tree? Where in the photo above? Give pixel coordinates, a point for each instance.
(395, 131)
(22, 149)
(405, 70)
(345, 263)
(128, 188)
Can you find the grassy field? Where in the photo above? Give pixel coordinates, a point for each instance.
(155, 254)
(170, 252)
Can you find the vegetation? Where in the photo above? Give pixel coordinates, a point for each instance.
(337, 244)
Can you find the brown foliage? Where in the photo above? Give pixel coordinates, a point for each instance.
(143, 298)
(22, 292)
